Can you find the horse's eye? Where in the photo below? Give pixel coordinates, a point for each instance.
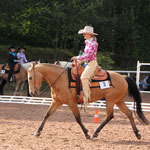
(30, 78)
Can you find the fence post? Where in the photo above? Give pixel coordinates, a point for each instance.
(138, 73)
(128, 74)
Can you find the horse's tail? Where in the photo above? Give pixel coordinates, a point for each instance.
(135, 93)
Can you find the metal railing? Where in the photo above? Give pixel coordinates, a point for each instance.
(47, 101)
(139, 72)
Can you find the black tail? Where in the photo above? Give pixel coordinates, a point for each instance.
(135, 93)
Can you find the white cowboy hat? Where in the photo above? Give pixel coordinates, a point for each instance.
(87, 29)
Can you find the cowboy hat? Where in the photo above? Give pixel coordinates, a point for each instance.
(21, 48)
(87, 29)
(11, 47)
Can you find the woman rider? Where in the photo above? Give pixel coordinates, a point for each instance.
(12, 60)
(89, 56)
(21, 56)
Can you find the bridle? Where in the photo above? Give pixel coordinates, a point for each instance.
(52, 83)
(34, 78)
(34, 75)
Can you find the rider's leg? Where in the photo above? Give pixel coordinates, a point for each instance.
(10, 71)
(85, 77)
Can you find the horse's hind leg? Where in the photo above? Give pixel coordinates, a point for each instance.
(128, 113)
(53, 107)
(109, 116)
(73, 106)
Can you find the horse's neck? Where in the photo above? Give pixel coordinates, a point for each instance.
(50, 72)
(26, 66)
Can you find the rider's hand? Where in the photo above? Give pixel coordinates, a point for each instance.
(18, 61)
(74, 58)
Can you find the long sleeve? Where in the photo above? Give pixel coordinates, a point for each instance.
(89, 51)
(22, 58)
(18, 55)
(12, 58)
(25, 59)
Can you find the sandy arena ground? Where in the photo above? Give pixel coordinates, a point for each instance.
(18, 123)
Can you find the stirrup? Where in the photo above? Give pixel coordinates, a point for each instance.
(80, 98)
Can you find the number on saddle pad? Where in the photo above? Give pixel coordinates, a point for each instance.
(2, 71)
(104, 84)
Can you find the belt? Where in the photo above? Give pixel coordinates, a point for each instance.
(87, 61)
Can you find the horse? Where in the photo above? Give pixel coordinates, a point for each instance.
(62, 94)
(21, 78)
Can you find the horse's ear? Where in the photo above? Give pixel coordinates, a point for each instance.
(38, 62)
(33, 64)
(58, 62)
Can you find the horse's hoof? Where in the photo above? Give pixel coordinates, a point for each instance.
(88, 137)
(37, 134)
(138, 136)
(95, 135)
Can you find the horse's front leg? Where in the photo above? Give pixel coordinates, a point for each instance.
(17, 87)
(73, 106)
(53, 107)
(21, 87)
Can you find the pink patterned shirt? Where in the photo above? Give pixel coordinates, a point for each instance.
(89, 51)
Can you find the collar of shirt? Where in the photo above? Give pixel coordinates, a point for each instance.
(14, 54)
(20, 53)
(89, 40)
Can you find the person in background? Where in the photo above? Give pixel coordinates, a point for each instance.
(21, 56)
(81, 50)
(12, 61)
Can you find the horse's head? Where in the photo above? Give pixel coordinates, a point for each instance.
(35, 79)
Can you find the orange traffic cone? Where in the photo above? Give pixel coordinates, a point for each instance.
(96, 117)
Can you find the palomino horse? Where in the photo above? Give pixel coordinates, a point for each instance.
(21, 78)
(61, 94)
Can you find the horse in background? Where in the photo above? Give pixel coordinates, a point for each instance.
(21, 78)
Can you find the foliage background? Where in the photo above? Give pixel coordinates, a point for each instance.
(48, 29)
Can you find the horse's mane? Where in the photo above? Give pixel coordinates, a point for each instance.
(26, 66)
(50, 65)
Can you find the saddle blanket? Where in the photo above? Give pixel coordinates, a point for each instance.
(95, 83)
(5, 69)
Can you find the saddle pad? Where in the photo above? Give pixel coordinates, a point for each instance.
(16, 69)
(93, 84)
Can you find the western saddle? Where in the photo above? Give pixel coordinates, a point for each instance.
(76, 72)
(77, 69)
(7, 68)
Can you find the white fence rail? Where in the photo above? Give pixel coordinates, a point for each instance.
(47, 101)
(131, 72)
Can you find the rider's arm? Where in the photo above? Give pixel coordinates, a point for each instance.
(18, 56)
(25, 59)
(90, 52)
(11, 58)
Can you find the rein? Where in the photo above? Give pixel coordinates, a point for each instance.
(56, 79)
(34, 77)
